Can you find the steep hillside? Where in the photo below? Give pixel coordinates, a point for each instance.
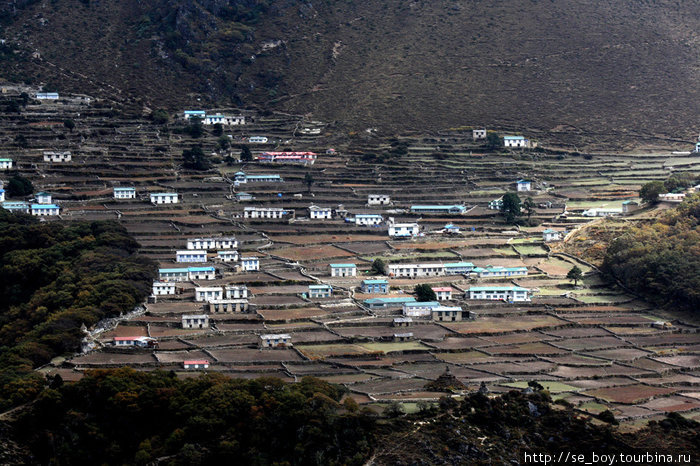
(617, 71)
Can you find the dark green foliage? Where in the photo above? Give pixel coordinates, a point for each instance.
(160, 116)
(224, 142)
(608, 416)
(195, 159)
(679, 181)
(511, 207)
(651, 190)
(575, 274)
(662, 260)
(246, 154)
(21, 141)
(309, 180)
(194, 129)
(69, 124)
(529, 206)
(424, 293)
(217, 130)
(493, 141)
(123, 417)
(53, 279)
(379, 267)
(19, 186)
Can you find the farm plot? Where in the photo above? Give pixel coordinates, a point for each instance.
(505, 324)
(629, 394)
(311, 253)
(550, 386)
(292, 314)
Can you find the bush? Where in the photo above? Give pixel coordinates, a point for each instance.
(19, 186)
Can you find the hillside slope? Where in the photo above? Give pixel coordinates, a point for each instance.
(616, 70)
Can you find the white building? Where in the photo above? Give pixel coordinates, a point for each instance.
(257, 139)
(250, 264)
(672, 197)
(442, 293)
(416, 270)
(419, 309)
(227, 255)
(343, 270)
(5, 164)
(164, 198)
(191, 255)
(2, 195)
(228, 242)
(141, 342)
(498, 271)
(524, 185)
(195, 114)
(275, 340)
(42, 210)
(265, 212)
(226, 120)
(54, 156)
(550, 235)
(368, 219)
(16, 206)
(163, 288)
(499, 293)
(47, 96)
(320, 291)
(124, 193)
(479, 134)
(601, 212)
(43, 198)
(403, 230)
(195, 321)
(320, 213)
(208, 293)
(236, 292)
(516, 141)
(378, 199)
(195, 364)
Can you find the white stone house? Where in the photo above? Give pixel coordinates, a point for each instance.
(47, 96)
(124, 193)
(201, 273)
(208, 293)
(2, 195)
(403, 230)
(343, 270)
(479, 134)
(368, 219)
(140, 342)
(55, 156)
(378, 199)
(192, 114)
(672, 197)
(550, 235)
(416, 270)
(5, 164)
(225, 120)
(257, 139)
(218, 306)
(418, 309)
(250, 263)
(320, 213)
(43, 198)
(195, 364)
(191, 255)
(43, 210)
(227, 255)
(195, 321)
(229, 242)
(442, 293)
(265, 212)
(320, 291)
(523, 185)
(163, 288)
(516, 142)
(282, 340)
(164, 198)
(236, 291)
(499, 293)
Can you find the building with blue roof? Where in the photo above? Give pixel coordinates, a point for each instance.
(458, 268)
(384, 303)
(320, 291)
(497, 271)
(2, 195)
(375, 286)
(5, 164)
(438, 209)
(499, 293)
(523, 185)
(124, 193)
(516, 141)
(343, 270)
(43, 210)
(419, 309)
(368, 219)
(195, 114)
(16, 206)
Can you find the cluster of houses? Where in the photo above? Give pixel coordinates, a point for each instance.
(215, 118)
(303, 158)
(226, 250)
(41, 206)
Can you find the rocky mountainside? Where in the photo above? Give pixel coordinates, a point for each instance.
(583, 71)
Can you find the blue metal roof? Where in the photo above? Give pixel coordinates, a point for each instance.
(343, 265)
(375, 282)
(44, 206)
(498, 288)
(200, 269)
(414, 303)
(458, 264)
(172, 270)
(389, 300)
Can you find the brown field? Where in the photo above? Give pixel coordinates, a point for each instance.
(629, 394)
(499, 325)
(321, 238)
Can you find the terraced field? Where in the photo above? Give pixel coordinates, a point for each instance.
(593, 345)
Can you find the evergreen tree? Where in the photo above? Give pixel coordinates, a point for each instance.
(424, 293)
(575, 274)
(511, 207)
(195, 159)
